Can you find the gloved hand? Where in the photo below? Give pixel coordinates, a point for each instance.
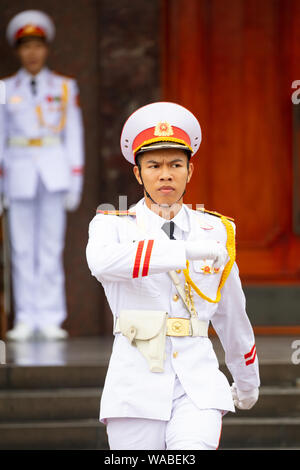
(206, 249)
(244, 400)
(72, 201)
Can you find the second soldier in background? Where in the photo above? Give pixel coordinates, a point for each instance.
(42, 158)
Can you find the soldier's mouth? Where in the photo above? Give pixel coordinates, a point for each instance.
(166, 189)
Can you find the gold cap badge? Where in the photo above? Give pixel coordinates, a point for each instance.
(163, 129)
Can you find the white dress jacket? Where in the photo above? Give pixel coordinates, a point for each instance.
(131, 256)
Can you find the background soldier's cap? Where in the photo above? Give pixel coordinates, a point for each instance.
(160, 125)
(30, 24)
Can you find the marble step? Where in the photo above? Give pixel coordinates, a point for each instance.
(32, 377)
(273, 373)
(93, 375)
(275, 402)
(283, 432)
(237, 433)
(71, 403)
(54, 435)
(47, 405)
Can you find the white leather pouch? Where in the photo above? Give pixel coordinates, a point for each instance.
(146, 329)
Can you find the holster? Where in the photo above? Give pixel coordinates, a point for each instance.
(145, 329)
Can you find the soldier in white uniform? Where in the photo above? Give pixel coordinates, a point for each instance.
(167, 271)
(42, 158)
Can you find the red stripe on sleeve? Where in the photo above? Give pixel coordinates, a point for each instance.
(249, 354)
(77, 170)
(137, 260)
(147, 258)
(251, 360)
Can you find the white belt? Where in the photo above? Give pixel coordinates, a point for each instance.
(38, 142)
(181, 327)
(187, 327)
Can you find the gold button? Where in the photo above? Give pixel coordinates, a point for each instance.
(178, 271)
(175, 297)
(175, 354)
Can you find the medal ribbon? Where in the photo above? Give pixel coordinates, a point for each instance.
(63, 120)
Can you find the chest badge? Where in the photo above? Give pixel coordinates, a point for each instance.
(209, 270)
(53, 99)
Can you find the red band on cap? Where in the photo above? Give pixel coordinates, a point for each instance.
(149, 134)
(30, 30)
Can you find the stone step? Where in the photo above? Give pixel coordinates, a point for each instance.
(14, 377)
(47, 405)
(58, 404)
(275, 402)
(260, 448)
(273, 373)
(73, 435)
(264, 433)
(237, 433)
(86, 375)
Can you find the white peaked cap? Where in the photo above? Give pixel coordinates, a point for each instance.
(30, 23)
(160, 122)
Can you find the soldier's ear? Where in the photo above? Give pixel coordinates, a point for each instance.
(190, 171)
(136, 171)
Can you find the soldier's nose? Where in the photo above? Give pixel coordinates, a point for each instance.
(165, 175)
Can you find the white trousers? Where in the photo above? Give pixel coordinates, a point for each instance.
(189, 428)
(37, 235)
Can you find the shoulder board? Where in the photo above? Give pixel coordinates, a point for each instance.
(8, 76)
(62, 75)
(216, 214)
(115, 212)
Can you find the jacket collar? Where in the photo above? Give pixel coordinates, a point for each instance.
(186, 220)
(23, 79)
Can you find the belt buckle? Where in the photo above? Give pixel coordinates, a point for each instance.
(35, 142)
(178, 327)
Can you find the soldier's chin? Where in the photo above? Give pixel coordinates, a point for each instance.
(34, 68)
(167, 200)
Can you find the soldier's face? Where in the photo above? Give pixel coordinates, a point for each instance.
(165, 173)
(33, 55)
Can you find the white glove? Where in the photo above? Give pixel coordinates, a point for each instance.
(72, 201)
(244, 400)
(206, 249)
